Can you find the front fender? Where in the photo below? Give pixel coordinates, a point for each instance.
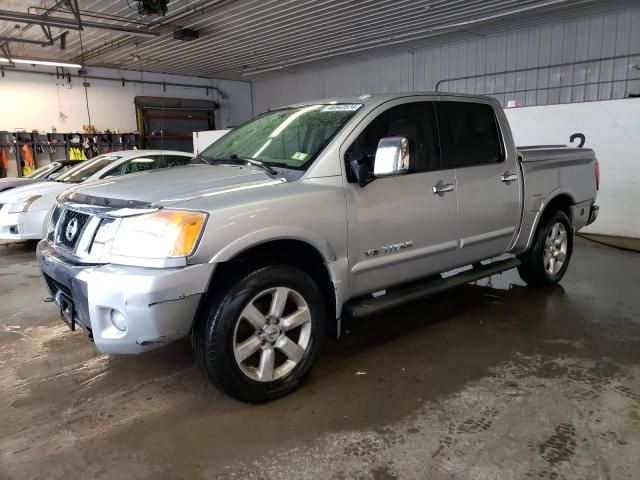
(269, 234)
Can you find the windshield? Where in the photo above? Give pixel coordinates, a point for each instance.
(289, 137)
(87, 168)
(43, 171)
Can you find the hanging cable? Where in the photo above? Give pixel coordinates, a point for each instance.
(84, 77)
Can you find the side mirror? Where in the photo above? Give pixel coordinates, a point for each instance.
(361, 170)
(392, 157)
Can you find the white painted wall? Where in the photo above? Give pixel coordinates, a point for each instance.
(202, 140)
(35, 101)
(612, 129)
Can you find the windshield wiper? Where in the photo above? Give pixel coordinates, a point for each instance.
(240, 159)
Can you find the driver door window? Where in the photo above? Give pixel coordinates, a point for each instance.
(417, 122)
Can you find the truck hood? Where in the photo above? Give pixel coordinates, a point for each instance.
(170, 186)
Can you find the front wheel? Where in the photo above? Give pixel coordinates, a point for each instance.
(260, 336)
(546, 262)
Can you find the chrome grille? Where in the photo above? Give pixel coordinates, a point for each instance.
(70, 227)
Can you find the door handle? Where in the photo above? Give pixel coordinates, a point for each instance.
(508, 177)
(441, 188)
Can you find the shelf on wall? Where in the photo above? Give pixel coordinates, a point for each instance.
(169, 137)
(177, 116)
(61, 142)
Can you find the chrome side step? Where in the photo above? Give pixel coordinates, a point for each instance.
(363, 307)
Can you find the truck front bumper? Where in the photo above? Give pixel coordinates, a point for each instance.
(154, 305)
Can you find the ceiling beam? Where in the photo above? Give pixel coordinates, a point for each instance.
(71, 23)
(73, 5)
(6, 51)
(31, 42)
(47, 32)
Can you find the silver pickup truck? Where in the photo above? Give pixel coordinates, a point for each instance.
(307, 214)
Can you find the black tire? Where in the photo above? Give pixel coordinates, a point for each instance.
(533, 269)
(214, 335)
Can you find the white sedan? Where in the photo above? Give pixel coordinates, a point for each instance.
(24, 210)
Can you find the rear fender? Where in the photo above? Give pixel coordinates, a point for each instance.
(534, 209)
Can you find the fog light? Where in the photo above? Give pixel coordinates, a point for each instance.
(118, 320)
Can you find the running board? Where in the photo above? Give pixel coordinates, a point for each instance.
(370, 305)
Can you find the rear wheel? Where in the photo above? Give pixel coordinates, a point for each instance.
(260, 336)
(546, 262)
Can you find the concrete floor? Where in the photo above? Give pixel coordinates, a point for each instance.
(497, 381)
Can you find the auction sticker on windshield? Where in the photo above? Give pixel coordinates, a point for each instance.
(342, 107)
(300, 156)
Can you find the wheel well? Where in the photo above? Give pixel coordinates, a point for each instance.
(562, 202)
(296, 253)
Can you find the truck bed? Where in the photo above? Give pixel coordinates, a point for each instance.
(549, 171)
(556, 153)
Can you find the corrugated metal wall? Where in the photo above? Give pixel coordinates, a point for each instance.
(582, 43)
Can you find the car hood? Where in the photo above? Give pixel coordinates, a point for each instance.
(170, 186)
(7, 183)
(40, 188)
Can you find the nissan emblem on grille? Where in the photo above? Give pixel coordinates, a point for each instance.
(72, 230)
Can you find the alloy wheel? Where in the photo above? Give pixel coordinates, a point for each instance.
(272, 334)
(555, 248)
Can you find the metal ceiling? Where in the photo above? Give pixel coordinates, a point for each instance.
(248, 39)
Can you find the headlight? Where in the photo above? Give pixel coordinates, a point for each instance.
(161, 234)
(52, 218)
(23, 204)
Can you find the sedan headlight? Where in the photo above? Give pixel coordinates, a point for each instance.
(158, 235)
(23, 204)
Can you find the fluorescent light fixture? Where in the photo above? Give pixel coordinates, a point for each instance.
(30, 61)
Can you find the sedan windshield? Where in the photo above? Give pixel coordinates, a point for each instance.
(43, 172)
(289, 137)
(87, 168)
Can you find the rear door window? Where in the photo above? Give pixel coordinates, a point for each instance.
(175, 161)
(469, 134)
(135, 165)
